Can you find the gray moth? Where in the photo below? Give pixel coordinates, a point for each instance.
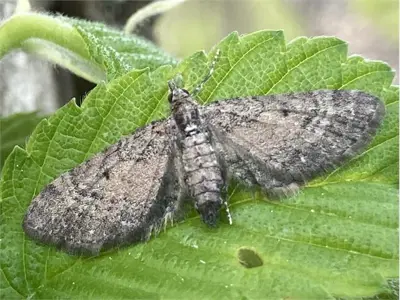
(276, 142)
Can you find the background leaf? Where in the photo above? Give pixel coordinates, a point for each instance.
(117, 52)
(89, 49)
(15, 130)
(338, 237)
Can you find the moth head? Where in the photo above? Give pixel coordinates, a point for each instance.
(176, 93)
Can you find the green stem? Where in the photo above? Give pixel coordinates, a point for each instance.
(20, 27)
(52, 39)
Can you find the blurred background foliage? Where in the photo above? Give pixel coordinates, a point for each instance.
(371, 27)
(197, 25)
(386, 18)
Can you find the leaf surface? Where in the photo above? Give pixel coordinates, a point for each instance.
(15, 130)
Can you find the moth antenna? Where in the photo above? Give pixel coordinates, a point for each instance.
(228, 212)
(199, 87)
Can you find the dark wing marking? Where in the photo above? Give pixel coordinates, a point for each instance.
(114, 198)
(281, 141)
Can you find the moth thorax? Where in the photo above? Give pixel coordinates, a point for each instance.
(187, 117)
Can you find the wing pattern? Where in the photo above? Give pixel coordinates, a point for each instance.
(114, 198)
(281, 141)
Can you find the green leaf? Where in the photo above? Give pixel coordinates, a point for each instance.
(337, 238)
(14, 130)
(118, 52)
(90, 50)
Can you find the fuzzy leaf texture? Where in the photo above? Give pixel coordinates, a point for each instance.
(337, 238)
(89, 49)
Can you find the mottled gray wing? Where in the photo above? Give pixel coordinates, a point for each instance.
(281, 141)
(114, 198)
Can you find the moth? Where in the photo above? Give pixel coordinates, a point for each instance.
(277, 142)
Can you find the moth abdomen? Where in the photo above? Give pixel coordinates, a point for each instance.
(208, 205)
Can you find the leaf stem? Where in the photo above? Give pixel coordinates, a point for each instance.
(154, 8)
(52, 39)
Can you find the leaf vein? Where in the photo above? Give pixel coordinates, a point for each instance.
(300, 63)
(359, 77)
(355, 158)
(89, 151)
(233, 66)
